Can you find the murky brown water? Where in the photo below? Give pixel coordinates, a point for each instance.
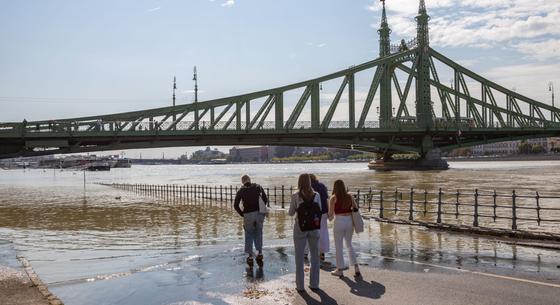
(141, 249)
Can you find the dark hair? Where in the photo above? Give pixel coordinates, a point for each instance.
(304, 187)
(342, 196)
(313, 177)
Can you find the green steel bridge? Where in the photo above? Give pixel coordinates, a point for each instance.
(469, 110)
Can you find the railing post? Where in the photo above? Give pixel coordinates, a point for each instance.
(283, 196)
(513, 211)
(231, 193)
(475, 221)
(358, 201)
(537, 197)
(370, 199)
(221, 194)
(381, 204)
(440, 193)
(425, 202)
(275, 199)
(268, 195)
(494, 205)
(457, 204)
(396, 199)
(411, 205)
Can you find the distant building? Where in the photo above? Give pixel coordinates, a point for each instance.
(509, 147)
(251, 154)
(207, 154)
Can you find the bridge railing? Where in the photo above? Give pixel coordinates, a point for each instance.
(73, 128)
(533, 212)
(115, 127)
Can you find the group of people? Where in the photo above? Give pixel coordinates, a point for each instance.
(312, 207)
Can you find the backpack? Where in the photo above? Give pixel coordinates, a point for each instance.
(309, 215)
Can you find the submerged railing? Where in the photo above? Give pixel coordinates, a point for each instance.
(478, 208)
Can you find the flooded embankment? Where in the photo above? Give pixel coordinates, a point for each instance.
(138, 249)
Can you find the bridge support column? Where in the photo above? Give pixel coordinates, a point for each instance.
(429, 159)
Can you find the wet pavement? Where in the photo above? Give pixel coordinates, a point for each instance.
(108, 246)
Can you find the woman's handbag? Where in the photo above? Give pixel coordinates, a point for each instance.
(263, 209)
(357, 221)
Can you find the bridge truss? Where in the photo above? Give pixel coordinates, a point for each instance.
(416, 112)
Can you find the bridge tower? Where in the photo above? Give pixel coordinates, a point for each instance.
(424, 110)
(385, 109)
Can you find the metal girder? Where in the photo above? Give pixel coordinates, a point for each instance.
(471, 108)
(213, 124)
(177, 120)
(266, 112)
(488, 92)
(371, 94)
(491, 84)
(403, 97)
(196, 124)
(443, 97)
(264, 107)
(479, 102)
(298, 108)
(328, 116)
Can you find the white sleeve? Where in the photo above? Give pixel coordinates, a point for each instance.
(317, 199)
(293, 205)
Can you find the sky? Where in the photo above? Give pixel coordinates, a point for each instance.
(62, 58)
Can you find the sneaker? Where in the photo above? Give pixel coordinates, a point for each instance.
(260, 260)
(250, 261)
(337, 272)
(357, 270)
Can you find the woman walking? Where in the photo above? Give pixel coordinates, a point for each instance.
(341, 206)
(307, 204)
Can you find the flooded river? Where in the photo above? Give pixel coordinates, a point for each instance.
(141, 250)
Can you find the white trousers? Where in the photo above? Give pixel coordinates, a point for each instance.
(343, 230)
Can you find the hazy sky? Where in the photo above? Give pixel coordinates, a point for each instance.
(74, 58)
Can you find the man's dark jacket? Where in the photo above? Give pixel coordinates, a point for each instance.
(249, 193)
(323, 193)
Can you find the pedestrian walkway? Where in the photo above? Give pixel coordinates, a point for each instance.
(15, 285)
(433, 287)
(423, 284)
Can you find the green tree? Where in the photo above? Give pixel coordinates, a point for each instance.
(524, 147)
(537, 149)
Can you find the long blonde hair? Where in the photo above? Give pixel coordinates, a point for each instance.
(304, 187)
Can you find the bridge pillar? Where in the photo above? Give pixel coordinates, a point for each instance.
(385, 94)
(424, 111)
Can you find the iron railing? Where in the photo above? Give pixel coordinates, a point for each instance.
(475, 208)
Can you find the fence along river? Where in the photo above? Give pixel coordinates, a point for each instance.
(474, 208)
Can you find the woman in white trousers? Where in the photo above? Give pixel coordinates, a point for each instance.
(341, 205)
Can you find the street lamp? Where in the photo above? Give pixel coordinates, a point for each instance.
(551, 90)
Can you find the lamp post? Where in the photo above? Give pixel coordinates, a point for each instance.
(551, 90)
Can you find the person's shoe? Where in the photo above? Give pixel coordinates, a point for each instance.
(313, 288)
(250, 261)
(337, 272)
(357, 270)
(260, 260)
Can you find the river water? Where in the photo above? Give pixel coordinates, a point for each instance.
(142, 250)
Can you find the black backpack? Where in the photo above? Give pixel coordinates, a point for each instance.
(309, 215)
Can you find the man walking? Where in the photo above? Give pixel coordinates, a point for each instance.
(253, 220)
(324, 232)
